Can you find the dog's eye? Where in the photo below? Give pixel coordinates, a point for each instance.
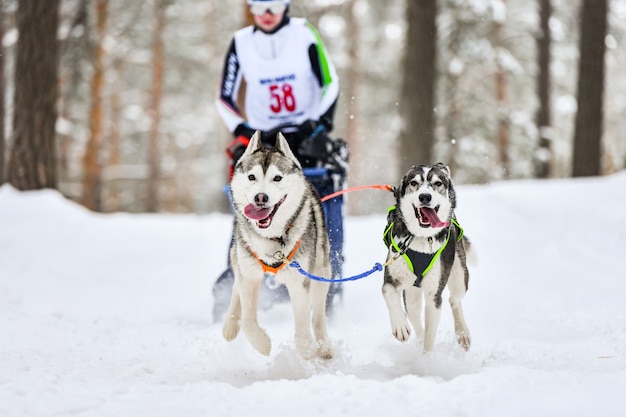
(438, 183)
(278, 178)
(413, 183)
(251, 177)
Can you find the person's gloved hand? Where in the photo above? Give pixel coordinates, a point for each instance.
(312, 128)
(328, 124)
(307, 127)
(243, 129)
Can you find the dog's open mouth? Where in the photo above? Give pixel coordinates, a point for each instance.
(427, 217)
(262, 214)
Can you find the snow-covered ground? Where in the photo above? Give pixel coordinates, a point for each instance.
(110, 315)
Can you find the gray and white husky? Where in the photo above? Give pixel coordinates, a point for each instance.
(427, 251)
(278, 217)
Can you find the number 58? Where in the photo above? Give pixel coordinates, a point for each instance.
(282, 96)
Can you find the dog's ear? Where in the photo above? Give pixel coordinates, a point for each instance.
(283, 146)
(404, 182)
(451, 191)
(444, 168)
(396, 194)
(254, 144)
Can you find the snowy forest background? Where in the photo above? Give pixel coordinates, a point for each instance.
(117, 59)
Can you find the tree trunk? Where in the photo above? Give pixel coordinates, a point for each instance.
(543, 158)
(115, 137)
(350, 92)
(452, 122)
(92, 164)
(353, 77)
(588, 130)
(418, 90)
(32, 164)
(154, 156)
(75, 52)
(501, 94)
(2, 138)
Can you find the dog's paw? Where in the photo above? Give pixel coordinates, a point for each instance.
(464, 340)
(401, 330)
(230, 329)
(325, 350)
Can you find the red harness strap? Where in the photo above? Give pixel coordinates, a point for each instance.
(275, 269)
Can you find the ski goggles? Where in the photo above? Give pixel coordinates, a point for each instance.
(274, 7)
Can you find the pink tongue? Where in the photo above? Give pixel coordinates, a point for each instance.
(256, 213)
(433, 219)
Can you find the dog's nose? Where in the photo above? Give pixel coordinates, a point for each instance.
(425, 198)
(261, 199)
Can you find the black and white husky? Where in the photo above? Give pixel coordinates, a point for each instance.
(427, 252)
(278, 217)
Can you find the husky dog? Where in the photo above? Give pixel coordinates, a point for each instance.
(278, 217)
(427, 251)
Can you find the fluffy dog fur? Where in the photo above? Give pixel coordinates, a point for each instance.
(421, 224)
(278, 215)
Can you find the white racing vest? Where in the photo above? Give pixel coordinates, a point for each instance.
(281, 87)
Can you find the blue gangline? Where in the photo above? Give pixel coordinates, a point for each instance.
(296, 264)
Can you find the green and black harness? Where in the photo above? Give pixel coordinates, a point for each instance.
(419, 263)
